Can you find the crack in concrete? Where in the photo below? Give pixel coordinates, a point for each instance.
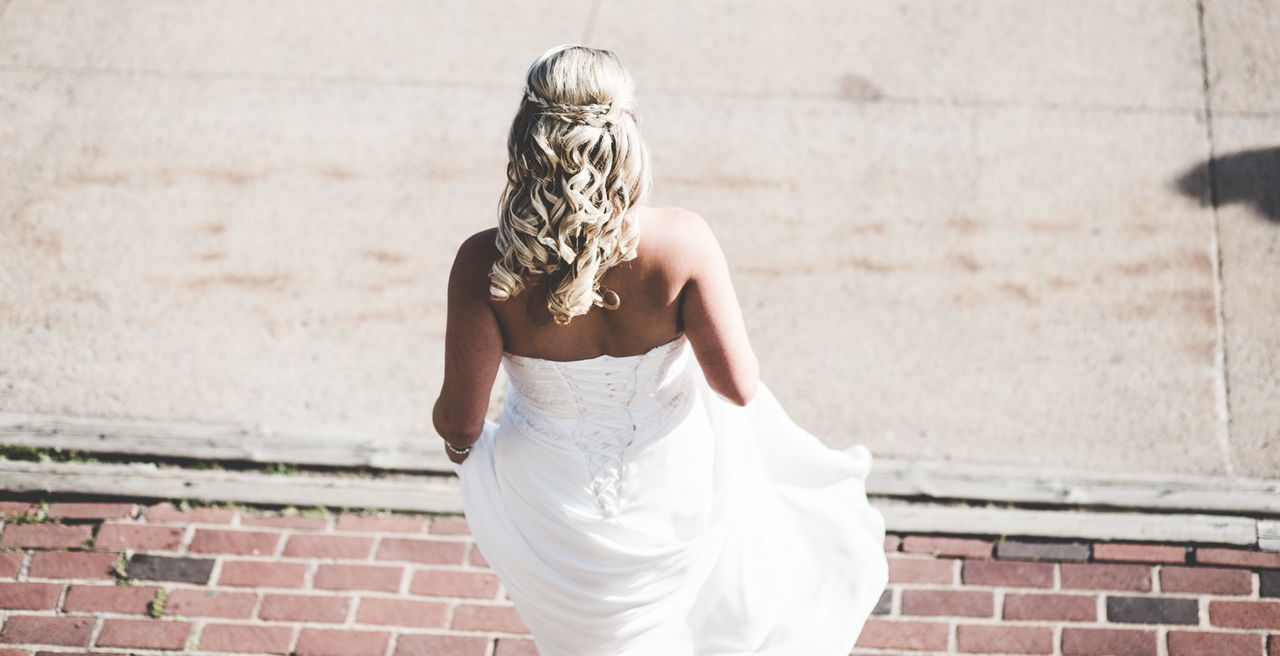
(1222, 388)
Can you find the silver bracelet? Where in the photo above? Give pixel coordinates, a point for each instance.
(461, 452)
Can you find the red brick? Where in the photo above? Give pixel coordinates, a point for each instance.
(72, 564)
(971, 638)
(129, 599)
(453, 583)
(906, 569)
(328, 546)
(44, 534)
(210, 603)
(402, 612)
(515, 647)
(381, 523)
(1106, 576)
(245, 543)
(255, 638)
(17, 508)
(1011, 573)
(47, 630)
(286, 521)
(1079, 608)
(473, 617)
(475, 558)
(264, 574)
(139, 537)
(338, 642)
(152, 634)
(896, 634)
(29, 596)
(1143, 553)
(962, 547)
(440, 645)
(1237, 558)
(959, 603)
(75, 653)
(317, 608)
(1206, 643)
(1208, 580)
(166, 512)
(11, 563)
(435, 552)
(91, 510)
(1273, 645)
(385, 578)
(1108, 642)
(450, 526)
(1245, 614)
(23, 652)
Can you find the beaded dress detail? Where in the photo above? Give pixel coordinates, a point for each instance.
(629, 510)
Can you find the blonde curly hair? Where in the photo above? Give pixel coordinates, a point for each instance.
(577, 167)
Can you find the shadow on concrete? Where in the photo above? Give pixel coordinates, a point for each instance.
(1249, 176)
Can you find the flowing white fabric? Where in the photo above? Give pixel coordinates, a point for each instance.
(630, 510)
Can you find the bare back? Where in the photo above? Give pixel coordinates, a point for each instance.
(677, 283)
(649, 288)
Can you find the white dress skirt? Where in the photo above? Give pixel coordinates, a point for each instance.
(628, 509)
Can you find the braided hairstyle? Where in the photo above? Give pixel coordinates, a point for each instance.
(577, 167)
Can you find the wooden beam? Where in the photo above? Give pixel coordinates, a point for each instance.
(424, 453)
(248, 442)
(441, 495)
(946, 480)
(425, 494)
(1178, 528)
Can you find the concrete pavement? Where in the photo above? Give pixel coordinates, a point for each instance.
(997, 231)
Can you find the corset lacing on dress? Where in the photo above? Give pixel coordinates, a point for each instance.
(599, 406)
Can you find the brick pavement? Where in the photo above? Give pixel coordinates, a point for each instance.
(111, 577)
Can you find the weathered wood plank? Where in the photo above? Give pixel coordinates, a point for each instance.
(944, 480)
(442, 496)
(1269, 534)
(937, 480)
(438, 494)
(1178, 528)
(252, 443)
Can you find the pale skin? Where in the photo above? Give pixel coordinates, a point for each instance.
(678, 282)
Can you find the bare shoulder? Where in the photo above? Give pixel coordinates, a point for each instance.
(676, 231)
(480, 246)
(475, 257)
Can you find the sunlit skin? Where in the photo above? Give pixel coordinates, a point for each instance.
(678, 282)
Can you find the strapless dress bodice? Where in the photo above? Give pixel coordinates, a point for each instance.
(600, 406)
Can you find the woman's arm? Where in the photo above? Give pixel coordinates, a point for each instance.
(472, 346)
(713, 319)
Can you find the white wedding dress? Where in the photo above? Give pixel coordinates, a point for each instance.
(630, 510)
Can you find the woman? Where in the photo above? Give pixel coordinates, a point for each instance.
(631, 498)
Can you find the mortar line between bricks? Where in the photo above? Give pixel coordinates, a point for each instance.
(392, 642)
(99, 624)
(1222, 388)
